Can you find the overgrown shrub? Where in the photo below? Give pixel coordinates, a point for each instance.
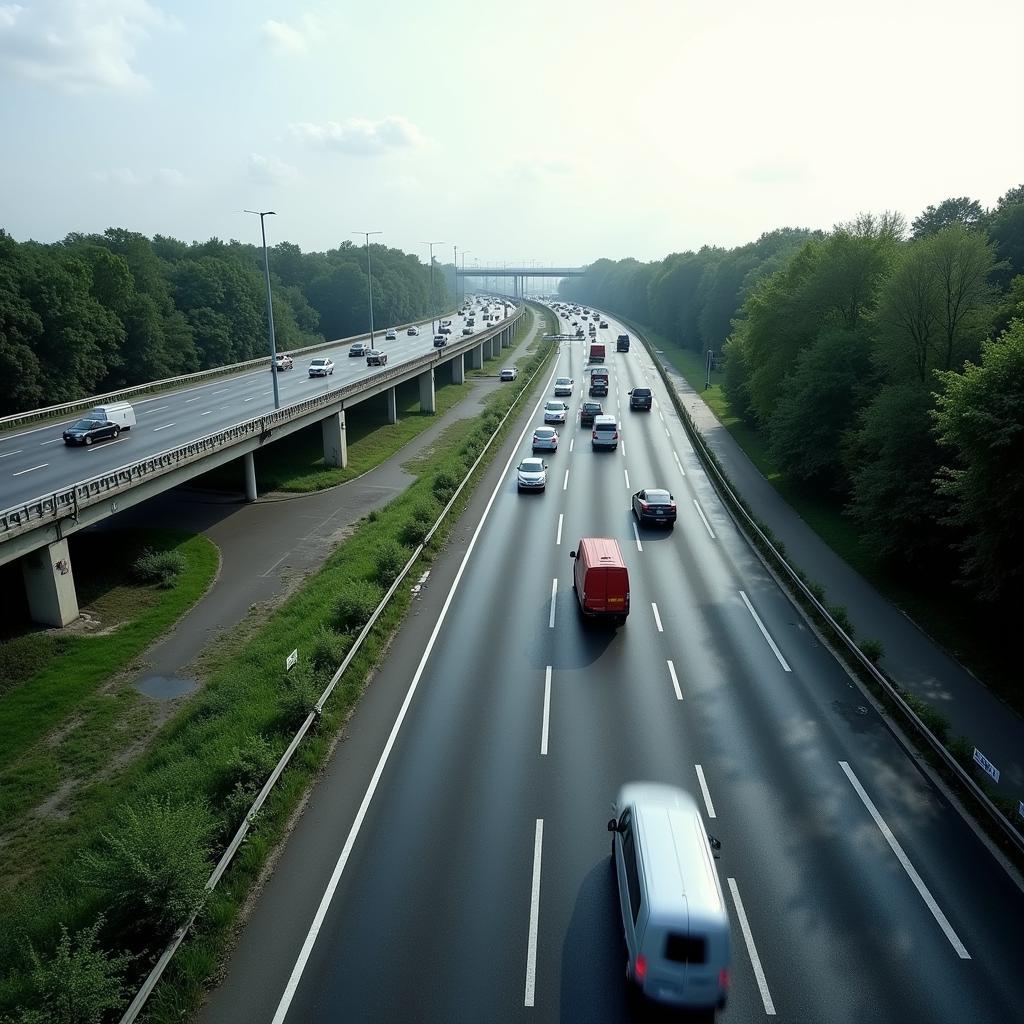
(328, 649)
(936, 722)
(300, 690)
(355, 604)
(839, 613)
(444, 485)
(422, 517)
(77, 983)
(159, 567)
(390, 560)
(153, 864)
(873, 650)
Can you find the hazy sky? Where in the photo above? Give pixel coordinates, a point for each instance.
(551, 130)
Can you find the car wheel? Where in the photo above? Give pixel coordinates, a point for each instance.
(117, 431)
(88, 440)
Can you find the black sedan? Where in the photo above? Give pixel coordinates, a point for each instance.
(87, 430)
(654, 505)
(588, 410)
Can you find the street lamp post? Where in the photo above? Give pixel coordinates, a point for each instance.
(433, 318)
(270, 305)
(369, 275)
(464, 251)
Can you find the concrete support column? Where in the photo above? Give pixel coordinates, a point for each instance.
(335, 443)
(427, 401)
(50, 585)
(391, 397)
(494, 345)
(458, 370)
(249, 468)
(476, 357)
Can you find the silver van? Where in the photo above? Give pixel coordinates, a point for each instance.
(673, 911)
(605, 433)
(120, 413)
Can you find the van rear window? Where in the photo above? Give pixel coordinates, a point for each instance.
(685, 949)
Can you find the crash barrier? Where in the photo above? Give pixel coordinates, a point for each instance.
(966, 785)
(69, 500)
(229, 854)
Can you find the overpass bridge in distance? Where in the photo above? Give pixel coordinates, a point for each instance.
(519, 275)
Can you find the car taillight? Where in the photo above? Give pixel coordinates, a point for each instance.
(594, 435)
(723, 978)
(672, 505)
(641, 968)
(615, 435)
(644, 505)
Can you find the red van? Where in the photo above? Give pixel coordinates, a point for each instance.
(600, 578)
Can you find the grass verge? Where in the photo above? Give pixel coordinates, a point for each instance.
(248, 703)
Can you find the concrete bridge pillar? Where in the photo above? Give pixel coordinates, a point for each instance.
(476, 357)
(249, 467)
(458, 370)
(391, 397)
(50, 585)
(427, 397)
(335, 443)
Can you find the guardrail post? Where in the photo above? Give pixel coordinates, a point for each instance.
(335, 441)
(249, 466)
(50, 585)
(391, 397)
(427, 400)
(458, 369)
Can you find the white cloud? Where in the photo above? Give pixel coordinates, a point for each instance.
(77, 46)
(268, 170)
(359, 136)
(285, 38)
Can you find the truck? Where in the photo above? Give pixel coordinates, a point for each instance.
(596, 352)
(622, 343)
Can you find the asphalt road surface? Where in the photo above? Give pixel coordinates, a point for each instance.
(36, 462)
(453, 863)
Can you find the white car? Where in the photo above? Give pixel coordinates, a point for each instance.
(509, 373)
(545, 439)
(554, 412)
(563, 387)
(413, 332)
(359, 349)
(531, 475)
(321, 367)
(391, 334)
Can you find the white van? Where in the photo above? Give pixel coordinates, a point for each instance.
(673, 911)
(120, 413)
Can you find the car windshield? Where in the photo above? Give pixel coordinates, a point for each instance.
(658, 497)
(555, 406)
(562, 380)
(87, 424)
(319, 362)
(544, 433)
(531, 466)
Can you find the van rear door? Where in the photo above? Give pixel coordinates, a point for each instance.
(616, 589)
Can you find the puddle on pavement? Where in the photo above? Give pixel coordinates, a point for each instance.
(166, 687)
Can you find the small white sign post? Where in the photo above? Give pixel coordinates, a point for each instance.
(289, 662)
(985, 764)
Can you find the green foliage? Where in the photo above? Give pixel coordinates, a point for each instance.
(962, 210)
(328, 649)
(355, 604)
(152, 865)
(421, 518)
(842, 617)
(300, 690)
(390, 558)
(446, 481)
(159, 567)
(980, 421)
(873, 650)
(77, 983)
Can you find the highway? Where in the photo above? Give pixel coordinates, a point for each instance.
(453, 863)
(35, 461)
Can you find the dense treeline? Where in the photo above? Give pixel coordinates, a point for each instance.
(883, 367)
(94, 313)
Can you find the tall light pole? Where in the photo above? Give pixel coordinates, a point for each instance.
(270, 305)
(369, 274)
(464, 251)
(433, 318)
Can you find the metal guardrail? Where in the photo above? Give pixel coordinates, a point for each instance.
(1004, 826)
(33, 415)
(69, 500)
(150, 983)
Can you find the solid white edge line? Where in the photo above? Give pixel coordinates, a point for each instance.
(636, 533)
(705, 791)
(675, 681)
(558, 536)
(547, 712)
(703, 518)
(531, 944)
(554, 593)
(748, 938)
(929, 900)
(657, 618)
(346, 851)
(765, 633)
(678, 463)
